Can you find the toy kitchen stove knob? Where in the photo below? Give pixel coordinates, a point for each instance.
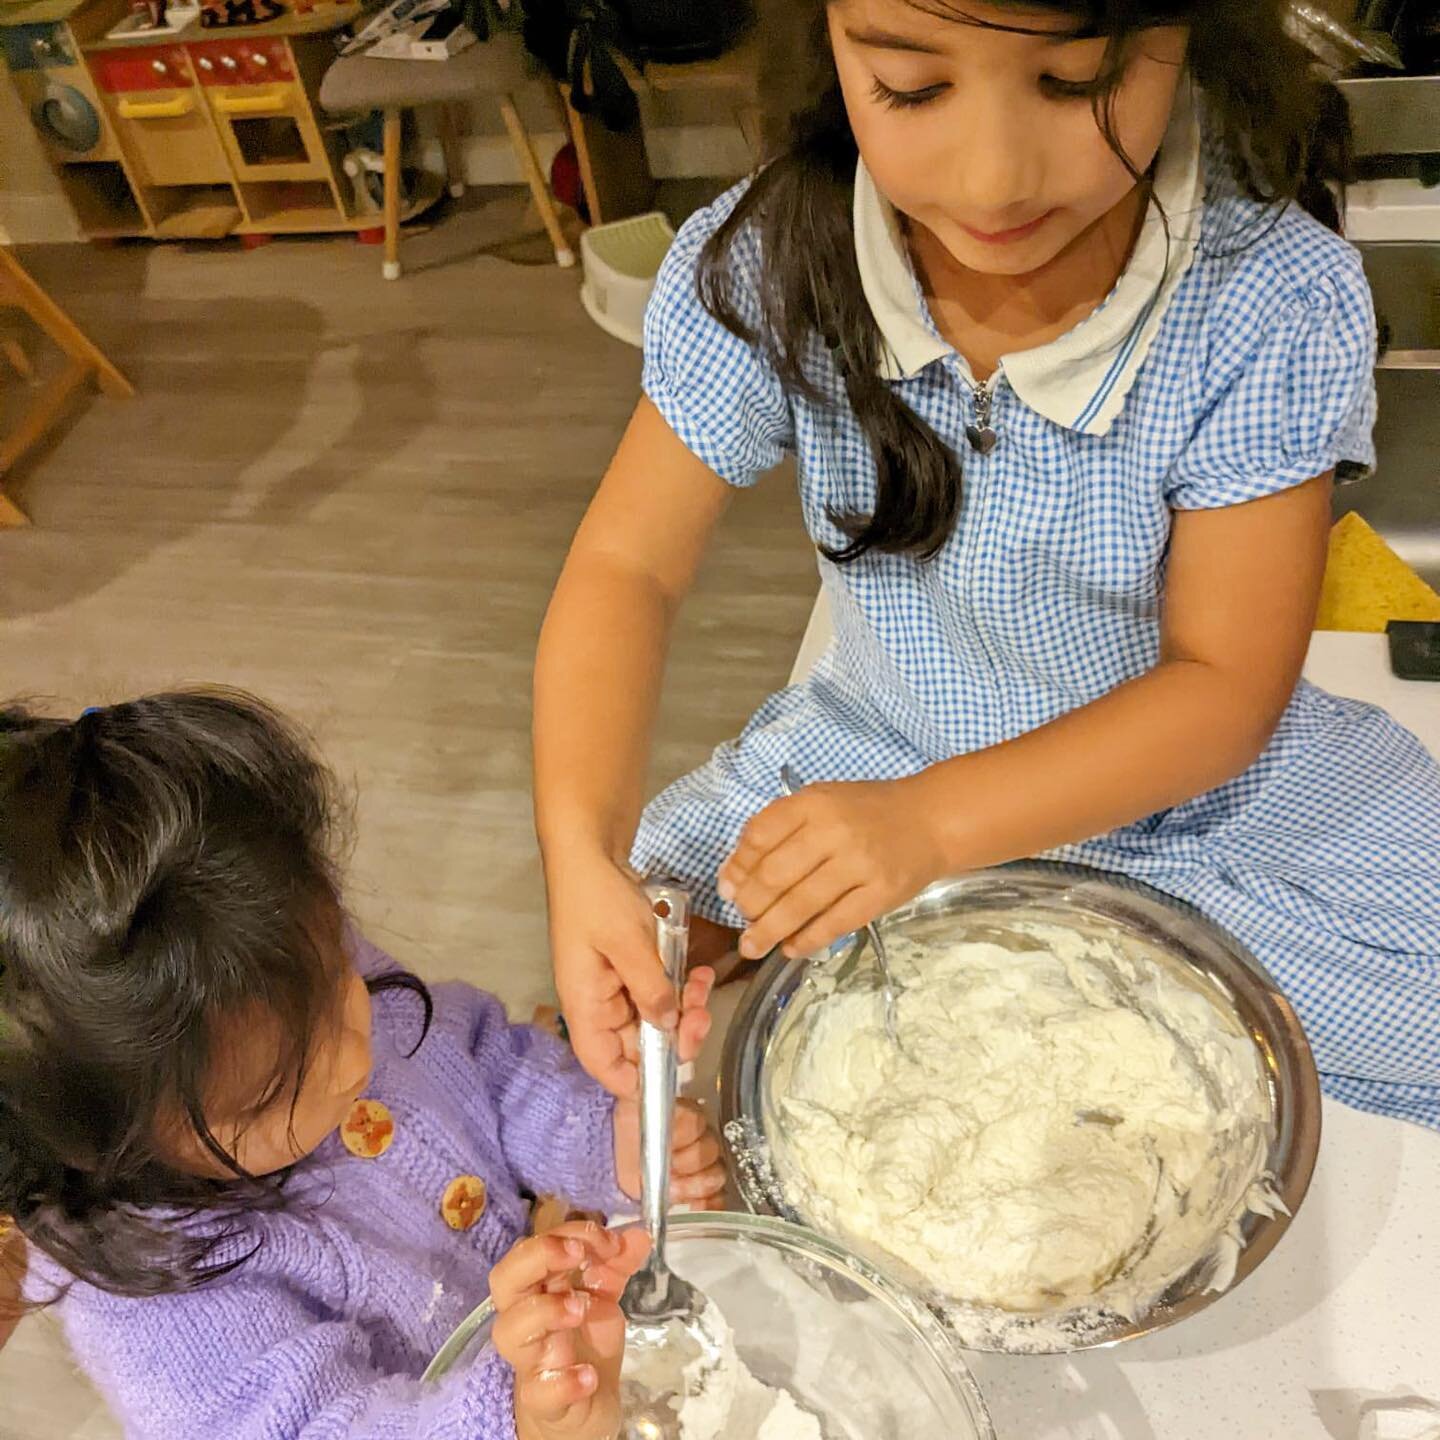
(206, 64)
(229, 62)
(159, 67)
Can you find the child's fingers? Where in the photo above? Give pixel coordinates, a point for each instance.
(701, 1154)
(548, 1394)
(633, 1251)
(602, 1054)
(530, 1263)
(694, 1029)
(629, 1038)
(774, 825)
(695, 1020)
(849, 913)
(798, 908)
(608, 1280)
(604, 1332)
(691, 1189)
(596, 1007)
(521, 1333)
(696, 995)
(635, 960)
(608, 1008)
(687, 1126)
(793, 861)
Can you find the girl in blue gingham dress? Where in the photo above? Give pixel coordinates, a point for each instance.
(1049, 305)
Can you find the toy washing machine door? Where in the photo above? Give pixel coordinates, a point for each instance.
(66, 118)
(55, 88)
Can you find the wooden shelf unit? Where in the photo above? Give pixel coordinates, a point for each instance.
(202, 134)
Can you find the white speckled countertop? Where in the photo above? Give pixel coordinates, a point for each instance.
(1337, 1334)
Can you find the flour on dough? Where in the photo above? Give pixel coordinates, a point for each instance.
(959, 1153)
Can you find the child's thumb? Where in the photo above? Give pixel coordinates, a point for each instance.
(651, 991)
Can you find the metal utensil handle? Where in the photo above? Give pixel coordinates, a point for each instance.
(659, 1068)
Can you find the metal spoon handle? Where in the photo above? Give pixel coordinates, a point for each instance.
(659, 1069)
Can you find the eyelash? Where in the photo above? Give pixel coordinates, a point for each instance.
(1056, 88)
(1060, 89)
(905, 99)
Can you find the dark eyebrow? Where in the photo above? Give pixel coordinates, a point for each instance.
(887, 40)
(872, 39)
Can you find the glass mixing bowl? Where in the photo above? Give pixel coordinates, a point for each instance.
(997, 905)
(854, 1349)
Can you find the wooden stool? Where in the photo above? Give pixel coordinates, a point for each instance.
(18, 289)
(497, 67)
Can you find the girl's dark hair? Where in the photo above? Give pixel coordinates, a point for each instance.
(164, 865)
(1284, 127)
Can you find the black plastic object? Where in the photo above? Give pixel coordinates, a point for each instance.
(584, 44)
(580, 43)
(677, 32)
(1415, 649)
(1415, 24)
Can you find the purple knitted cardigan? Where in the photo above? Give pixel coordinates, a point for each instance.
(326, 1329)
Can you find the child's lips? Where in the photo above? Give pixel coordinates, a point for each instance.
(1007, 237)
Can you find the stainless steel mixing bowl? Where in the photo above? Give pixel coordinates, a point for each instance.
(990, 904)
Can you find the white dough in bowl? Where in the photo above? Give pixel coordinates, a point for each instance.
(717, 1398)
(1066, 1125)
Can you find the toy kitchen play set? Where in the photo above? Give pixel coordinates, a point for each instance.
(180, 121)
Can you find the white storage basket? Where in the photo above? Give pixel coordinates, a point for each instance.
(621, 261)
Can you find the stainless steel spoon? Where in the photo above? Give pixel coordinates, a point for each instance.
(872, 933)
(661, 1309)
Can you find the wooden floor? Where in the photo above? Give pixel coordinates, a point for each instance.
(352, 497)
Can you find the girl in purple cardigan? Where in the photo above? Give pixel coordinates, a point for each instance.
(263, 1171)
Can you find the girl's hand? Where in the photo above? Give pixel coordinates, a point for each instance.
(560, 1327)
(825, 861)
(608, 972)
(697, 1166)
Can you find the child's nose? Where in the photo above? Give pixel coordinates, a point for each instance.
(998, 170)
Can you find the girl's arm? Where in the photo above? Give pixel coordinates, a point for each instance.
(1240, 597)
(597, 686)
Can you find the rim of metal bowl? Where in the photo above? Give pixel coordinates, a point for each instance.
(935, 1336)
(1286, 1059)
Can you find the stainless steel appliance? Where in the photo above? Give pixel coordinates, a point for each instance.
(1397, 129)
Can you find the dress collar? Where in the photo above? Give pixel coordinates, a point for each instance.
(1080, 379)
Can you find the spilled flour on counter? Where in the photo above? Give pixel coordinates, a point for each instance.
(717, 1396)
(1066, 1127)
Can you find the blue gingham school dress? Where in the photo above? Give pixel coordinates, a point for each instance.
(1243, 369)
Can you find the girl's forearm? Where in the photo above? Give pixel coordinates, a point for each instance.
(602, 649)
(597, 687)
(1174, 733)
